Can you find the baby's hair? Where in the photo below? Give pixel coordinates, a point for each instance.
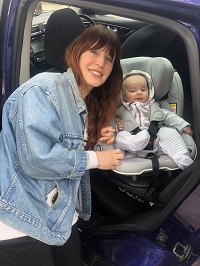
(135, 74)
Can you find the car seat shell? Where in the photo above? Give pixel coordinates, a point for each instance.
(169, 92)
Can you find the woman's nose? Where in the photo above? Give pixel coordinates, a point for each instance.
(100, 61)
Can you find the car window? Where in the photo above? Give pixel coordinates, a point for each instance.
(47, 7)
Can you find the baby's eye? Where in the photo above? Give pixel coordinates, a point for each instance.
(144, 89)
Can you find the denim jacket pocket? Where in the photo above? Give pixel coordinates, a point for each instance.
(62, 211)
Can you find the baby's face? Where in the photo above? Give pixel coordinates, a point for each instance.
(135, 89)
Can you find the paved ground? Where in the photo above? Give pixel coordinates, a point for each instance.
(50, 7)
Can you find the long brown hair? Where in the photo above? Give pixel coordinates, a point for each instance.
(101, 101)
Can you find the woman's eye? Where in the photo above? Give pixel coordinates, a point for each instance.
(93, 52)
(109, 59)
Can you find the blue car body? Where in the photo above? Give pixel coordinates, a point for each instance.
(173, 239)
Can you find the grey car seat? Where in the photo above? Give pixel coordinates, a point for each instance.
(169, 91)
(135, 174)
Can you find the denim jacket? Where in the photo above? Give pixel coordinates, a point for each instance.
(42, 148)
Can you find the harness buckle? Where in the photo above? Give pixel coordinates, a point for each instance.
(150, 155)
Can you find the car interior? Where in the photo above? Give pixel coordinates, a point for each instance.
(121, 199)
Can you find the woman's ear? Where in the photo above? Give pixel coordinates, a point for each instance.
(123, 95)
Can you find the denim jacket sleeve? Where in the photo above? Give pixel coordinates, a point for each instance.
(46, 149)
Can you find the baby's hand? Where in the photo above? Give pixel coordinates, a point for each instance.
(107, 135)
(120, 126)
(187, 129)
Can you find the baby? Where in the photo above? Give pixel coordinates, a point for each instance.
(136, 129)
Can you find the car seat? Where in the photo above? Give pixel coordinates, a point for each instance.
(150, 40)
(154, 40)
(135, 174)
(63, 26)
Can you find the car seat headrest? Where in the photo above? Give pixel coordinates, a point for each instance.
(150, 40)
(63, 26)
(159, 68)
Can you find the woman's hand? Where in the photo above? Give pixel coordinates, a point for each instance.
(107, 160)
(107, 135)
(187, 129)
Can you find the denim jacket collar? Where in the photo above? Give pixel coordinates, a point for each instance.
(77, 94)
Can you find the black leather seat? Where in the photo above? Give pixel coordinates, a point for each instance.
(151, 40)
(63, 26)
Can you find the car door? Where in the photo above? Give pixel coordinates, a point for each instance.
(126, 18)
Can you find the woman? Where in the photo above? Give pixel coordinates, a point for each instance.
(51, 125)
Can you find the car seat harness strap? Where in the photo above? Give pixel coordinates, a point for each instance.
(155, 166)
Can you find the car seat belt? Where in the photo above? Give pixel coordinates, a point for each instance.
(153, 130)
(155, 166)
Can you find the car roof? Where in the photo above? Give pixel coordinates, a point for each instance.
(169, 7)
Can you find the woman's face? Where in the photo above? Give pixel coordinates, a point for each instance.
(96, 66)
